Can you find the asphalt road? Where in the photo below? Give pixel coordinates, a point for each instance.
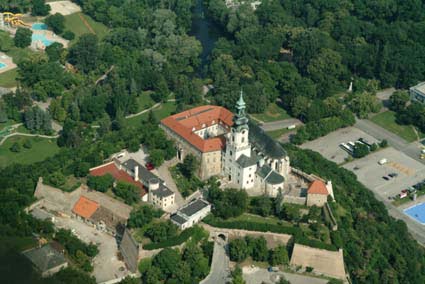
(275, 125)
(412, 150)
(220, 265)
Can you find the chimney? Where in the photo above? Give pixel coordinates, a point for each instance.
(136, 173)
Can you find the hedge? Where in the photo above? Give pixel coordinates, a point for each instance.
(314, 243)
(252, 226)
(175, 241)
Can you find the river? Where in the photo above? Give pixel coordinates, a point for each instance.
(206, 31)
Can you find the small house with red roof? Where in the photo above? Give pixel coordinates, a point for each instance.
(317, 193)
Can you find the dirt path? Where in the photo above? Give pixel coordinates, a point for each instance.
(86, 23)
(143, 111)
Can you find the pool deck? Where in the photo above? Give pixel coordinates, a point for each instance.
(49, 35)
(408, 205)
(8, 61)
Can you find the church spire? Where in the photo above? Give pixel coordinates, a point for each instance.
(240, 121)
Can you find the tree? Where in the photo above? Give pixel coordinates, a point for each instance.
(159, 232)
(238, 250)
(398, 100)
(39, 8)
(23, 37)
(100, 183)
(28, 144)
(16, 147)
(56, 22)
(84, 53)
(56, 179)
(279, 256)
(237, 277)
(262, 205)
(360, 150)
(167, 261)
(143, 216)
(156, 157)
(189, 166)
(257, 248)
(127, 191)
(55, 51)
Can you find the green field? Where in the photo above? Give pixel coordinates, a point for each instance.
(41, 149)
(387, 120)
(8, 78)
(275, 134)
(144, 101)
(74, 24)
(160, 112)
(272, 113)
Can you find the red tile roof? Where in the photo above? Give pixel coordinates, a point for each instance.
(317, 187)
(185, 123)
(85, 207)
(118, 174)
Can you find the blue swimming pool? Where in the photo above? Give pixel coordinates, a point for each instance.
(2, 65)
(41, 38)
(416, 212)
(39, 26)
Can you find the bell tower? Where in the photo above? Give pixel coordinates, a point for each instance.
(238, 142)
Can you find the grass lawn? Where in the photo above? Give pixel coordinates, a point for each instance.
(9, 122)
(275, 134)
(272, 113)
(74, 24)
(8, 79)
(387, 120)
(160, 112)
(144, 101)
(41, 149)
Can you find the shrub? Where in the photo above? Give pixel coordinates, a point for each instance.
(28, 144)
(128, 192)
(176, 240)
(56, 22)
(100, 183)
(23, 37)
(16, 147)
(68, 35)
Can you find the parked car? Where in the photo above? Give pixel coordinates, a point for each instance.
(149, 166)
(404, 191)
(393, 175)
(386, 178)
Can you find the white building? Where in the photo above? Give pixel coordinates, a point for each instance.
(228, 145)
(191, 214)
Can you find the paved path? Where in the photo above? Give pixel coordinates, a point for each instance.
(27, 134)
(279, 124)
(412, 150)
(219, 266)
(143, 111)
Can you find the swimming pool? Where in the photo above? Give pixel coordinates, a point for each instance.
(2, 65)
(41, 38)
(416, 212)
(39, 26)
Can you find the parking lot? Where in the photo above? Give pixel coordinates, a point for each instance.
(328, 146)
(370, 173)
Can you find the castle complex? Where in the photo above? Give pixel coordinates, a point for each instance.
(229, 146)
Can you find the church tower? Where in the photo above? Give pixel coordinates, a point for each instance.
(237, 141)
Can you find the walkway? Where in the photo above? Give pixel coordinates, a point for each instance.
(27, 134)
(143, 111)
(279, 124)
(219, 272)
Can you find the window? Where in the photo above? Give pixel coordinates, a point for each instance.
(243, 139)
(249, 175)
(247, 181)
(231, 153)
